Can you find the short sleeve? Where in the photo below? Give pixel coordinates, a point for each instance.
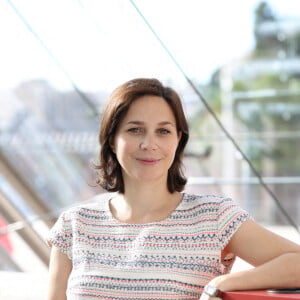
(61, 234)
(230, 217)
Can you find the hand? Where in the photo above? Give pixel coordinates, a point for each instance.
(213, 288)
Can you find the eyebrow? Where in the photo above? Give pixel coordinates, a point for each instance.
(163, 123)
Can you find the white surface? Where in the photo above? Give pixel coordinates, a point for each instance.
(23, 286)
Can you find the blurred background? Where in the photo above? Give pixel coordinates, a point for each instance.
(236, 65)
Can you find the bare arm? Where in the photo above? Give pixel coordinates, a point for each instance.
(276, 260)
(59, 270)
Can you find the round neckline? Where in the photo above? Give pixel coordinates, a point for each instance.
(115, 220)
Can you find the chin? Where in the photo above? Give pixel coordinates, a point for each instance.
(149, 177)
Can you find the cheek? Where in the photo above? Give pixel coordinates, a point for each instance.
(175, 144)
(122, 146)
(171, 148)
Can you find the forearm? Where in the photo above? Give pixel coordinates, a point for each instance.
(57, 289)
(59, 270)
(281, 272)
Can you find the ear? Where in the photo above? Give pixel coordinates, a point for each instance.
(113, 148)
(179, 136)
(111, 144)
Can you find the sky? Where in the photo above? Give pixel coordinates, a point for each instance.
(98, 44)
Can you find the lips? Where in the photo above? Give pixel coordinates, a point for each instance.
(148, 161)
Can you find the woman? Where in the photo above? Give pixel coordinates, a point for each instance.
(150, 240)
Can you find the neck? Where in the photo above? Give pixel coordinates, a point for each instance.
(144, 203)
(140, 192)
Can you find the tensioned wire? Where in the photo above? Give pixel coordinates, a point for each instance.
(218, 121)
(82, 95)
(47, 216)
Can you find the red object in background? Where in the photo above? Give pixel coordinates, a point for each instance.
(5, 242)
(258, 295)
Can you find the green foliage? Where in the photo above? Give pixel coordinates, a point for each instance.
(277, 113)
(264, 13)
(202, 118)
(268, 81)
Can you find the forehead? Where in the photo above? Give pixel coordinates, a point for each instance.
(150, 106)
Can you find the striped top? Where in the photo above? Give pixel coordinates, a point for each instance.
(170, 259)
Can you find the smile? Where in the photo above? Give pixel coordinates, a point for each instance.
(150, 161)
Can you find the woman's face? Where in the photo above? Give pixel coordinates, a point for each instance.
(146, 140)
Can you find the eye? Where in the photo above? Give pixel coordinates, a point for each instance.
(135, 130)
(164, 131)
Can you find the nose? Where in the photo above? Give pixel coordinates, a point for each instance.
(148, 142)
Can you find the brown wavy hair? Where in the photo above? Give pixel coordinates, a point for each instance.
(109, 175)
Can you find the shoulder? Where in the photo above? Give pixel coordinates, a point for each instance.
(203, 206)
(205, 200)
(89, 209)
(211, 204)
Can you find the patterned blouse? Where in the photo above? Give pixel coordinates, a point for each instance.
(170, 259)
